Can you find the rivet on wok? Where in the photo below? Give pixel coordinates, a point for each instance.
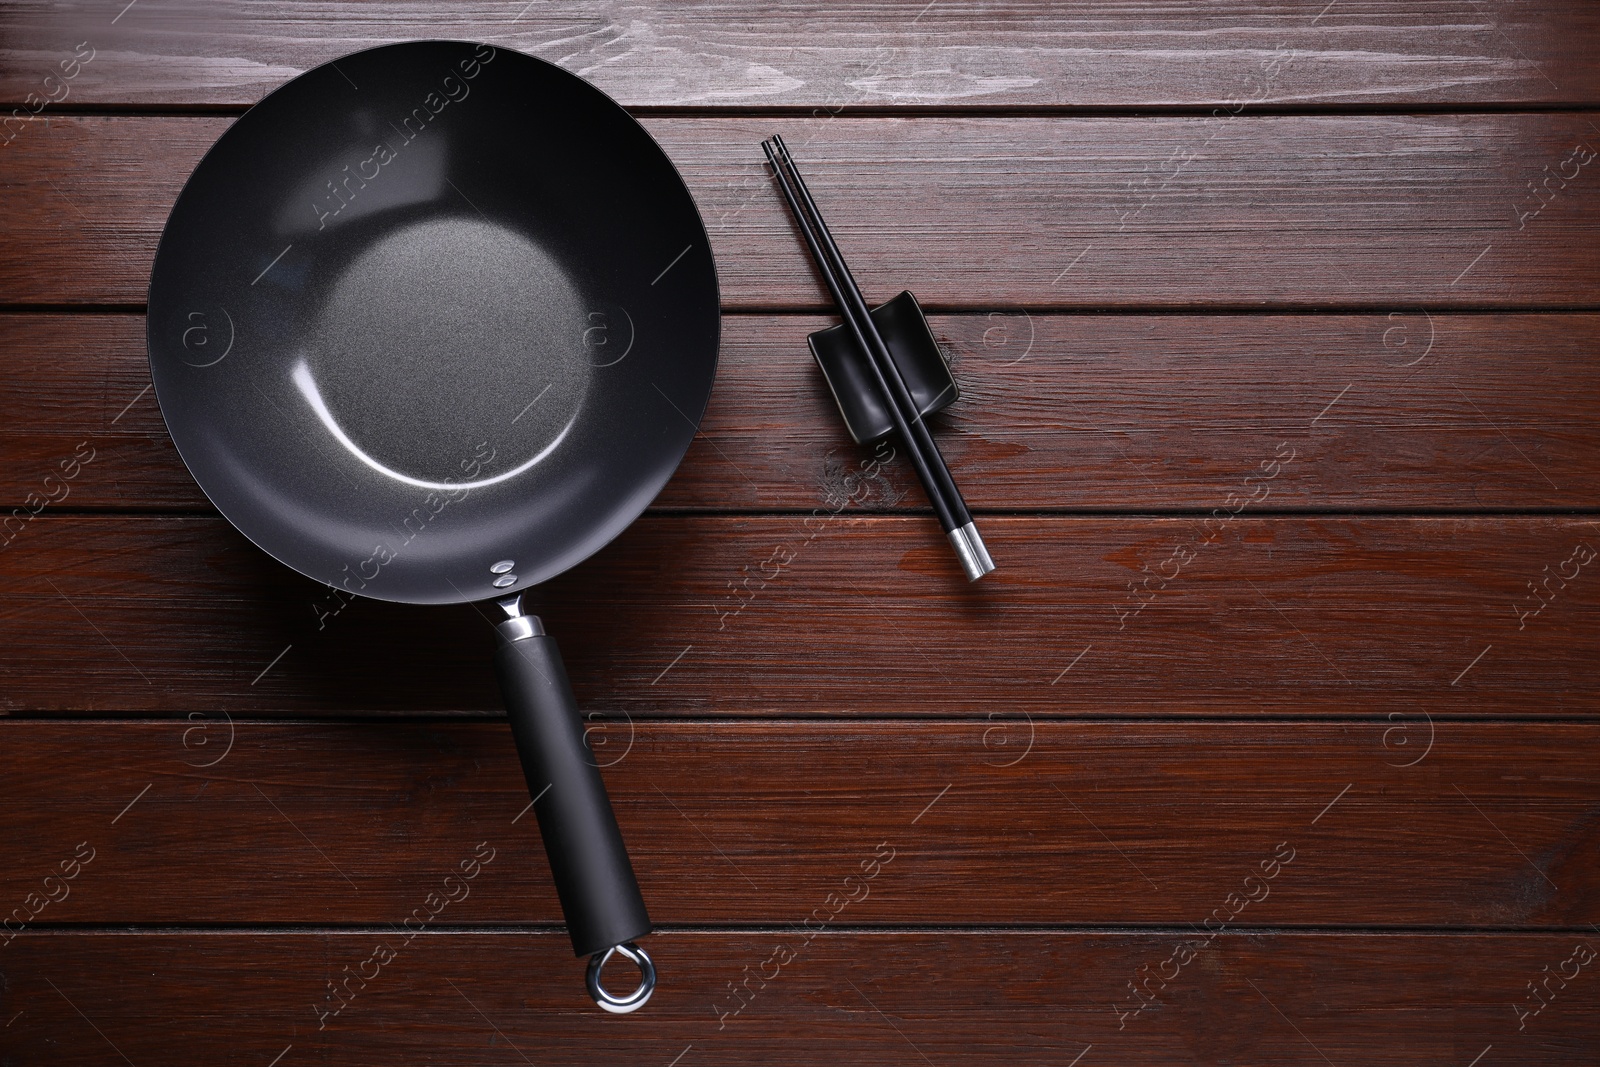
(503, 566)
(505, 580)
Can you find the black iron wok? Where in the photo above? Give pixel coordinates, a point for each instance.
(433, 323)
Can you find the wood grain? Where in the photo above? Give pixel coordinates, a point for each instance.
(1393, 213)
(990, 821)
(900, 54)
(1402, 409)
(819, 615)
(1026, 997)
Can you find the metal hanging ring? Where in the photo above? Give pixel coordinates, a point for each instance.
(633, 1001)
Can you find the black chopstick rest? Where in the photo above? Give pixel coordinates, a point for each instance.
(915, 353)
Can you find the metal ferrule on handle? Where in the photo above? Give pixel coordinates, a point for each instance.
(599, 894)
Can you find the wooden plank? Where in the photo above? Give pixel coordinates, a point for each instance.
(1395, 822)
(1380, 212)
(1394, 410)
(1028, 997)
(828, 615)
(905, 53)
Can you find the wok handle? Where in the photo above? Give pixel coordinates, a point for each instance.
(594, 878)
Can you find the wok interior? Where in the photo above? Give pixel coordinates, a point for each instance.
(420, 317)
(443, 334)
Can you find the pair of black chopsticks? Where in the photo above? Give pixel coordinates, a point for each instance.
(952, 511)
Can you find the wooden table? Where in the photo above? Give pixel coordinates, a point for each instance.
(1273, 739)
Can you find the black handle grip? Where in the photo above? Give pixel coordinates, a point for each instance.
(599, 894)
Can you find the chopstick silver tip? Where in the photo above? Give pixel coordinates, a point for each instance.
(975, 558)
